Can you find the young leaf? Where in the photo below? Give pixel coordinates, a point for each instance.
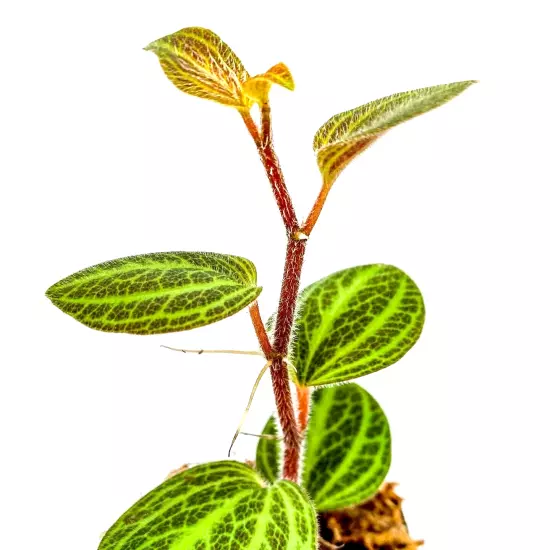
(199, 63)
(348, 447)
(257, 88)
(355, 322)
(268, 453)
(346, 135)
(157, 293)
(217, 506)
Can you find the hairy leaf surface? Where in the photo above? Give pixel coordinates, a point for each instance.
(348, 447)
(199, 63)
(355, 322)
(217, 506)
(268, 453)
(157, 293)
(347, 134)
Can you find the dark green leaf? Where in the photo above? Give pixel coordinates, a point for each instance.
(157, 293)
(355, 322)
(268, 453)
(217, 506)
(348, 447)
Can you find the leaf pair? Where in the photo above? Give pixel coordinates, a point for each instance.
(348, 448)
(217, 506)
(199, 63)
(157, 293)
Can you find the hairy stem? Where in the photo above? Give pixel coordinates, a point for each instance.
(269, 159)
(289, 293)
(303, 407)
(316, 210)
(283, 329)
(259, 328)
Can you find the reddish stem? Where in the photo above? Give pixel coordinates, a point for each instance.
(287, 418)
(252, 129)
(303, 406)
(316, 210)
(259, 327)
(283, 328)
(289, 293)
(264, 143)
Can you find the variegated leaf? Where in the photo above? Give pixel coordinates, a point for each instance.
(348, 447)
(355, 322)
(347, 134)
(268, 453)
(157, 293)
(217, 506)
(198, 62)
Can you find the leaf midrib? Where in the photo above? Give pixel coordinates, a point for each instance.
(384, 109)
(152, 293)
(97, 271)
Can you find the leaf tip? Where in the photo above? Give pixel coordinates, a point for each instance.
(152, 47)
(50, 292)
(281, 75)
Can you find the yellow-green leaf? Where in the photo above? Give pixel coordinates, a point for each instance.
(355, 322)
(268, 459)
(257, 88)
(346, 135)
(198, 62)
(157, 293)
(217, 506)
(348, 447)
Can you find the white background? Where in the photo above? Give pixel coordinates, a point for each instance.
(102, 157)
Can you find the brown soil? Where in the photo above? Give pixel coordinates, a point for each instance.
(377, 524)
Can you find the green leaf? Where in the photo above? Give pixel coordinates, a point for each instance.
(344, 136)
(355, 322)
(348, 447)
(268, 453)
(217, 506)
(200, 63)
(157, 293)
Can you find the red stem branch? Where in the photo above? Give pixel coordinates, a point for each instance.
(264, 143)
(259, 327)
(303, 407)
(316, 210)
